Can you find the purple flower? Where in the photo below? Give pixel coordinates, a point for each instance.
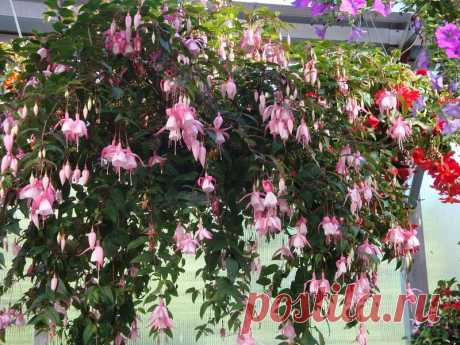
(319, 8)
(301, 3)
(382, 8)
(356, 34)
(418, 105)
(417, 23)
(320, 31)
(352, 7)
(453, 87)
(450, 126)
(436, 81)
(452, 110)
(448, 36)
(454, 53)
(423, 60)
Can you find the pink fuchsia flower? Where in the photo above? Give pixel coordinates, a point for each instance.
(366, 190)
(206, 183)
(368, 250)
(411, 297)
(120, 158)
(288, 332)
(352, 109)
(412, 243)
(356, 202)
(186, 243)
(361, 339)
(203, 233)
(395, 238)
(383, 7)
(299, 240)
(314, 284)
(228, 89)
(342, 266)
(281, 120)
(251, 40)
(159, 319)
(156, 159)
(386, 101)
(303, 134)
(331, 227)
(400, 130)
(245, 339)
(97, 256)
(352, 7)
(220, 132)
(310, 73)
(284, 252)
(84, 176)
(73, 129)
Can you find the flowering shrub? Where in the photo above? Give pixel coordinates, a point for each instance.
(136, 135)
(447, 330)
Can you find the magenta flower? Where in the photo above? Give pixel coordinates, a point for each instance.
(383, 8)
(331, 227)
(206, 183)
(352, 7)
(448, 36)
(228, 89)
(319, 8)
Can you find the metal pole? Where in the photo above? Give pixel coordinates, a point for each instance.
(15, 16)
(417, 274)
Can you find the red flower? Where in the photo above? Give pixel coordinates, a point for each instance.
(311, 94)
(421, 71)
(407, 94)
(372, 121)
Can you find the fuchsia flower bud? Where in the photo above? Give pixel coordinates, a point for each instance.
(303, 134)
(97, 256)
(228, 89)
(54, 282)
(84, 176)
(137, 20)
(288, 332)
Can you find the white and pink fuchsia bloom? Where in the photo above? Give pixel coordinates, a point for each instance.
(159, 319)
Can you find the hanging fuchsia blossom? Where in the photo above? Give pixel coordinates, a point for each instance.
(159, 319)
(182, 123)
(299, 240)
(310, 73)
(185, 242)
(400, 129)
(206, 183)
(386, 101)
(352, 109)
(203, 233)
(355, 199)
(73, 129)
(119, 158)
(251, 40)
(288, 332)
(281, 120)
(303, 134)
(42, 195)
(395, 238)
(331, 227)
(228, 89)
(368, 250)
(342, 266)
(245, 339)
(361, 339)
(97, 256)
(220, 132)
